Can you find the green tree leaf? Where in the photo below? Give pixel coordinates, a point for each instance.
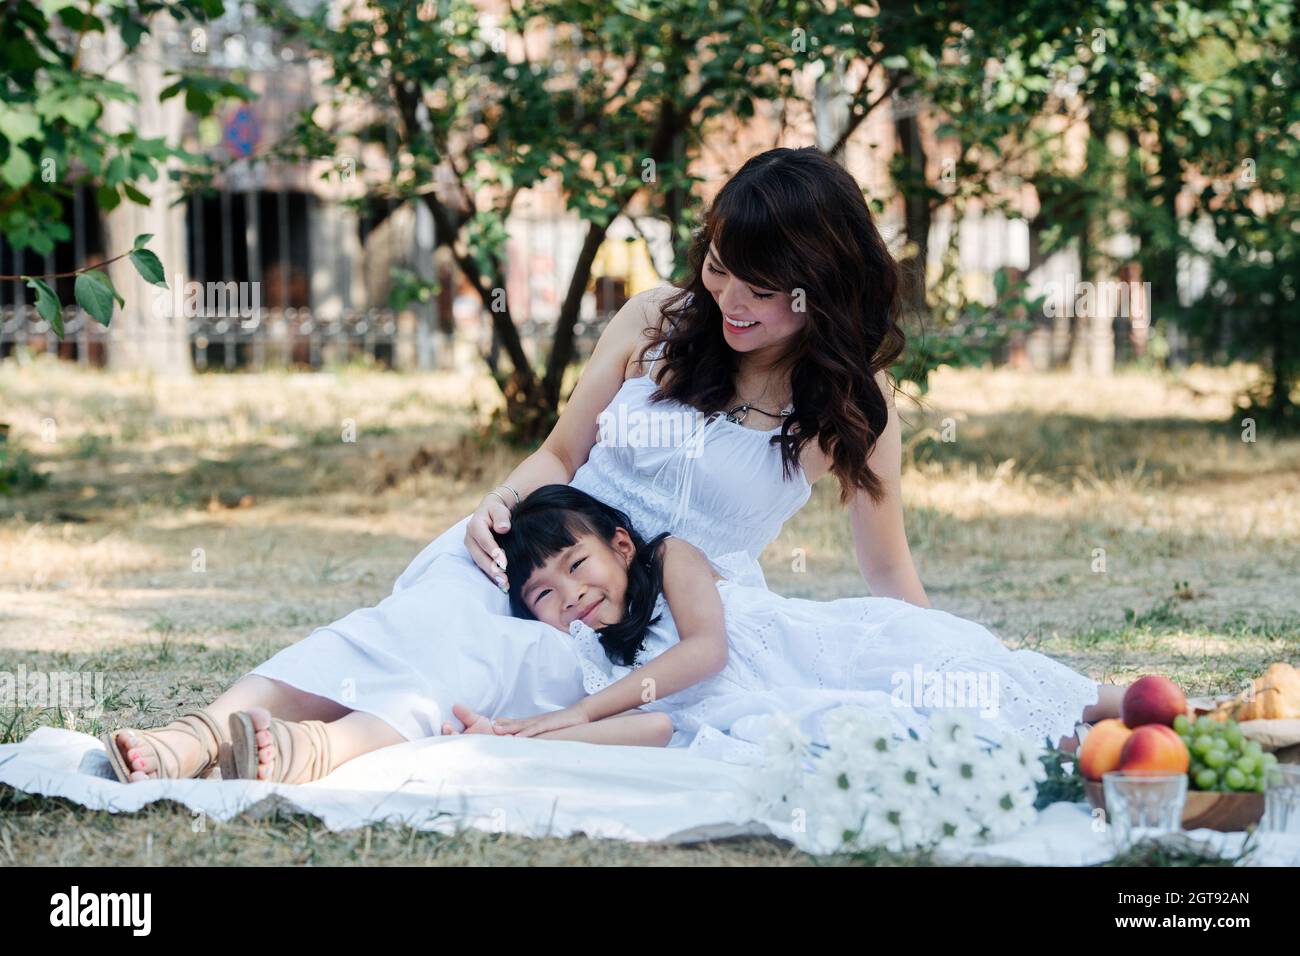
(79, 110)
(135, 195)
(18, 168)
(18, 125)
(108, 199)
(95, 294)
(47, 304)
(147, 264)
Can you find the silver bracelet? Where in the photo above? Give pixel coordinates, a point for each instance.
(503, 500)
(512, 491)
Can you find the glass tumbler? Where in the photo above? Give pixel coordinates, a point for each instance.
(1142, 806)
(1282, 798)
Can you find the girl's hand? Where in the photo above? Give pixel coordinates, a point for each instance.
(491, 514)
(541, 724)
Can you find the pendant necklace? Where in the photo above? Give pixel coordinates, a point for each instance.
(738, 413)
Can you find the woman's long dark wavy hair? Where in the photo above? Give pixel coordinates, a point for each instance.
(549, 520)
(790, 220)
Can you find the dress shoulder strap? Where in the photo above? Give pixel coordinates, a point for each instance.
(654, 353)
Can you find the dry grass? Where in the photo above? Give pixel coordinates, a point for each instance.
(1199, 531)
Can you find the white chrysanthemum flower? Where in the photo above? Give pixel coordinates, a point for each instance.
(944, 774)
(849, 768)
(911, 765)
(875, 733)
(953, 725)
(835, 815)
(993, 769)
(904, 824)
(1029, 755)
(785, 736)
(953, 818)
(946, 744)
(901, 806)
(1005, 818)
(785, 749)
(849, 726)
(892, 790)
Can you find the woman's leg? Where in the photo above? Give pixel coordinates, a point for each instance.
(349, 736)
(1109, 699)
(282, 700)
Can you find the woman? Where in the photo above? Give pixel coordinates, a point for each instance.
(781, 339)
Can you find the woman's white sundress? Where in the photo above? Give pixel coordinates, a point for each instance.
(801, 658)
(445, 635)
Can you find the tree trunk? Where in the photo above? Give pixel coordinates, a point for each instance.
(562, 345)
(1285, 365)
(916, 215)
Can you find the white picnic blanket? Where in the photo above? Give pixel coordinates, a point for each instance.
(537, 788)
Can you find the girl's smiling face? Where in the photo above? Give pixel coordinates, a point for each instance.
(586, 581)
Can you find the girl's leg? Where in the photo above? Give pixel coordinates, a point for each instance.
(282, 700)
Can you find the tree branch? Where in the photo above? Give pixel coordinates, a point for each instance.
(66, 275)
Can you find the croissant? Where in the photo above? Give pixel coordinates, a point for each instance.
(1274, 695)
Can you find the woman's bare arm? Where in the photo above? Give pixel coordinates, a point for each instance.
(879, 539)
(633, 729)
(570, 442)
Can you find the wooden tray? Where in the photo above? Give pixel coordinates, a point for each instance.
(1210, 809)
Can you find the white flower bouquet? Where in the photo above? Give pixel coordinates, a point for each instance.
(868, 786)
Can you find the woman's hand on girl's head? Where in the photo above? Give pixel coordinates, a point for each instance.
(570, 442)
(492, 514)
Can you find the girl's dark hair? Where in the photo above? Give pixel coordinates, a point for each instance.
(795, 221)
(550, 520)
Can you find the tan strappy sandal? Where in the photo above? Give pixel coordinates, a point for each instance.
(214, 746)
(302, 749)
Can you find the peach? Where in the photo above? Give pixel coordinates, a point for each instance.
(1154, 748)
(1101, 747)
(1152, 700)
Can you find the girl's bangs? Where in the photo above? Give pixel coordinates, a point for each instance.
(538, 537)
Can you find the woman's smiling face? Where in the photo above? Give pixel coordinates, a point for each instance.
(586, 581)
(752, 318)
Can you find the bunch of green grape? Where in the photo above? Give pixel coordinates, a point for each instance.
(1222, 758)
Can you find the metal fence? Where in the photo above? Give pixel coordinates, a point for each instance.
(289, 338)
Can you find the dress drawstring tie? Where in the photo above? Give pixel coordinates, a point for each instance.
(684, 455)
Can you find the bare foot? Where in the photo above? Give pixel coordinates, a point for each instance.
(142, 758)
(475, 723)
(261, 718)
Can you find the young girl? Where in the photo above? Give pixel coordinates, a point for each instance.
(660, 631)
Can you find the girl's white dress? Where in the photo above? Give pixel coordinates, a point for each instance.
(445, 635)
(801, 658)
